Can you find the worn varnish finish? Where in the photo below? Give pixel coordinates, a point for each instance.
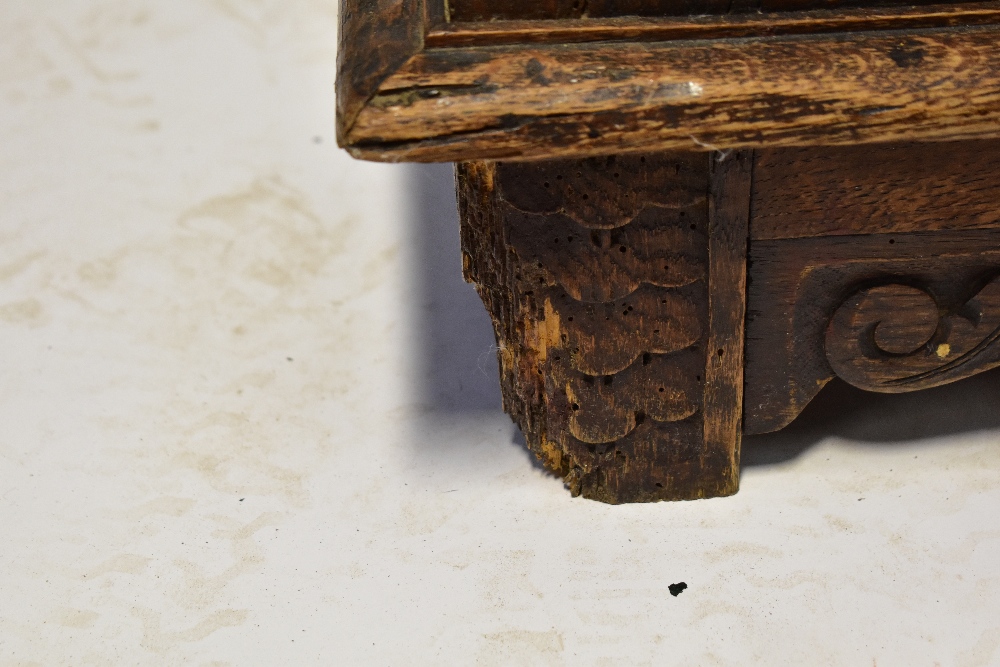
(729, 215)
(623, 373)
(376, 38)
(744, 79)
(684, 226)
(588, 99)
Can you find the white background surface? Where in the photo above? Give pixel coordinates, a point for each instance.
(249, 411)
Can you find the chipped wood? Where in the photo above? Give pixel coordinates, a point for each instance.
(597, 274)
(578, 100)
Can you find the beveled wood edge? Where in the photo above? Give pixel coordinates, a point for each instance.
(870, 91)
(375, 39)
(445, 34)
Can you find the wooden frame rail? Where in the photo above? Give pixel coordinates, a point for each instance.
(412, 87)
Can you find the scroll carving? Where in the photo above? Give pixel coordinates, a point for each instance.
(897, 337)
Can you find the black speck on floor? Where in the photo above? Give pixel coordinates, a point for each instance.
(677, 589)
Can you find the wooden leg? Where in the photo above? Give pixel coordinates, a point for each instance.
(617, 290)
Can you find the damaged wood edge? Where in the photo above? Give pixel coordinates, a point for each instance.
(374, 43)
(729, 216)
(482, 104)
(490, 144)
(513, 32)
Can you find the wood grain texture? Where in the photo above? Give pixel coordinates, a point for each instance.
(709, 26)
(816, 300)
(376, 38)
(729, 215)
(574, 100)
(600, 301)
(487, 10)
(875, 189)
(894, 338)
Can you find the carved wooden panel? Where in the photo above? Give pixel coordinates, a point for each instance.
(597, 275)
(897, 337)
(885, 312)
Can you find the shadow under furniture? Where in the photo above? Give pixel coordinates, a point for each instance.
(686, 218)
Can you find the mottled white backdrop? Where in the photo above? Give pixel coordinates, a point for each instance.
(249, 412)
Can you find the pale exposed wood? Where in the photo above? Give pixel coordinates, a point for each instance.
(453, 104)
(653, 29)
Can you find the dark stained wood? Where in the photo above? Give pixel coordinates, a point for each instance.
(729, 214)
(811, 300)
(876, 189)
(597, 274)
(376, 38)
(489, 10)
(708, 26)
(436, 16)
(636, 330)
(895, 337)
(574, 100)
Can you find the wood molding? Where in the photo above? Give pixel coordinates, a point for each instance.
(376, 38)
(591, 99)
(709, 26)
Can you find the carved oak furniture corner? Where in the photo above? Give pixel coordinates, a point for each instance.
(685, 218)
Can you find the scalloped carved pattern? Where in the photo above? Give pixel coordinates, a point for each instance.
(662, 247)
(596, 274)
(606, 192)
(607, 338)
(662, 452)
(896, 337)
(661, 388)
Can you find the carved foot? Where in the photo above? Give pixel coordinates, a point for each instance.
(616, 290)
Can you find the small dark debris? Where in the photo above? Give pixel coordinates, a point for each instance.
(242, 499)
(677, 589)
(289, 358)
